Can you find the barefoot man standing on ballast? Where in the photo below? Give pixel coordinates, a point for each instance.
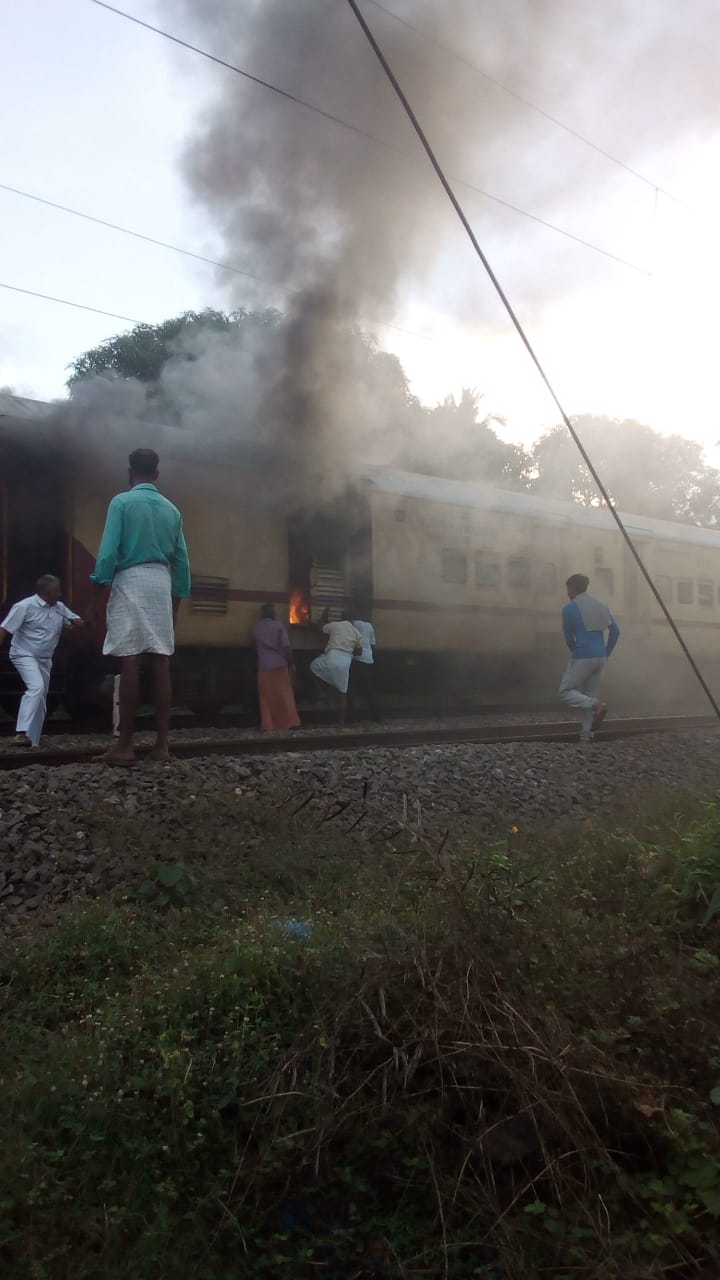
(143, 557)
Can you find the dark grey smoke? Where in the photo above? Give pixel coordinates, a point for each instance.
(345, 226)
(297, 197)
(337, 220)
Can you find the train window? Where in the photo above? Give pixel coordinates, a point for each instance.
(599, 555)
(706, 594)
(605, 581)
(546, 578)
(664, 586)
(685, 591)
(487, 571)
(519, 574)
(399, 515)
(453, 565)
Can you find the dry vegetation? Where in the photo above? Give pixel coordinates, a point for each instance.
(496, 1058)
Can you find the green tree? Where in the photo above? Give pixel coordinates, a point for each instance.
(143, 352)
(355, 397)
(457, 443)
(646, 473)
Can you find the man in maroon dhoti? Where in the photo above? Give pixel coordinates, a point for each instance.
(275, 662)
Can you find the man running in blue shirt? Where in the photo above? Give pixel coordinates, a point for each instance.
(585, 621)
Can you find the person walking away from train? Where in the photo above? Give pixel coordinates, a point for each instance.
(332, 668)
(144, 560)
(35, 625)
(275, 665)
(362, 669)
(585, 621)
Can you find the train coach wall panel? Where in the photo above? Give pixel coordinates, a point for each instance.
(230, 534)
(462, 579)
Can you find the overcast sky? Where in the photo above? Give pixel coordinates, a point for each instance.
(101, 113)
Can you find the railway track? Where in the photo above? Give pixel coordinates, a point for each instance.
(311, 717)
(550, 731)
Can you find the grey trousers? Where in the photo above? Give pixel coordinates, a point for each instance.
(580, 687)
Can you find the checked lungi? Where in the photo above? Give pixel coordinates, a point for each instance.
(139, 612)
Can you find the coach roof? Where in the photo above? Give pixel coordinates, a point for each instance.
(527, 506)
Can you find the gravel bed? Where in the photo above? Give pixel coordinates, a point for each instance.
(81, 829)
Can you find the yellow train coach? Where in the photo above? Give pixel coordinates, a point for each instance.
(477, 574)
(464, 582)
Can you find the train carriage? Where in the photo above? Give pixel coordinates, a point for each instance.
(465, 581)
(477, 573)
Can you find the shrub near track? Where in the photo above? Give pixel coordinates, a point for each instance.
(497, 1059)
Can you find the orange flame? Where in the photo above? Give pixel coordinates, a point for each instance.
(299, 606)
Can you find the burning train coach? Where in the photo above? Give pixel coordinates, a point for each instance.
(464, 582)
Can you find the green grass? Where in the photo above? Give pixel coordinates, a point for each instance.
(495, 1058)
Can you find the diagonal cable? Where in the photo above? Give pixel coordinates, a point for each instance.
(528, 346)
(364, 133)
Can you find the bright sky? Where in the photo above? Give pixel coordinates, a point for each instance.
(101, 110)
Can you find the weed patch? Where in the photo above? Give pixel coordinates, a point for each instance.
(490, 1058)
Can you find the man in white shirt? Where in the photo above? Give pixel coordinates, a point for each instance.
(332, 668)
(362, 672)
(35, 625)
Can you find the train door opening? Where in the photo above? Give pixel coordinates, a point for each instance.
(34, 539)
(329, 562)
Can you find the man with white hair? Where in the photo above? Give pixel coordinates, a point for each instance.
(35, 625)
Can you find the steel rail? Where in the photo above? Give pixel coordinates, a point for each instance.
(311, 716)
(559, 731)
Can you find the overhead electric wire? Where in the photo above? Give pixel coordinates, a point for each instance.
(174, 248)
(560, 124)
(445, 183)
(364, 133)
(65, 302)
(128, 231)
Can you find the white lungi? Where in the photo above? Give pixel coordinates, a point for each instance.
(139, 612)
(333, 667)
(35, 674)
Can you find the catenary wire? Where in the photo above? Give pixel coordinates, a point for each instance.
(513, 93)
(174, 248)
(65, 302)
(372, 137)
(445, 183)
(128, 231)
(80, 306)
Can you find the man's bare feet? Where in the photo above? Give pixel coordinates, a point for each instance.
(21, 740)
(160, 755)
(119, 759)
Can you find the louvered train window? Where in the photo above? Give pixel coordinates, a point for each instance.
(209, 595)
(519, 573)
(605, 581)
(453, 565)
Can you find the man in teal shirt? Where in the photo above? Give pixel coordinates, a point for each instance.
(143, 559)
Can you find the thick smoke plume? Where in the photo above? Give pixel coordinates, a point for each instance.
(336, 219)
(344, 223)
